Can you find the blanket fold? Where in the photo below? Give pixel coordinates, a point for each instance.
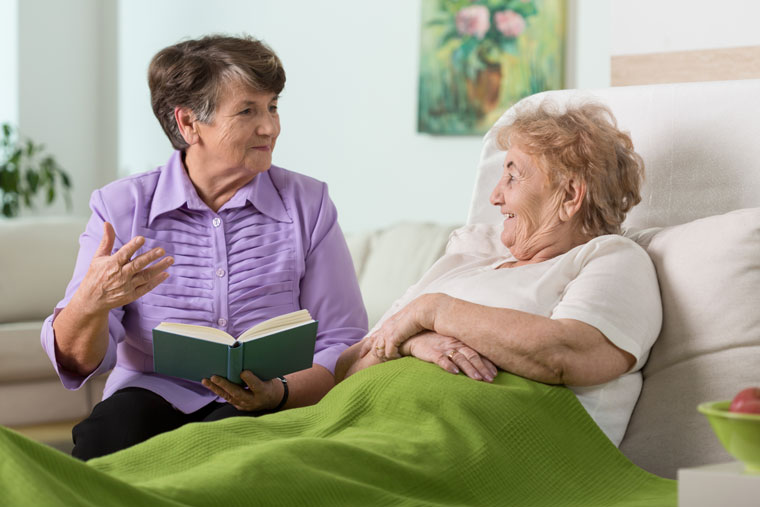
(401, 433)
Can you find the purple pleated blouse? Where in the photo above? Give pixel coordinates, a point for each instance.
(275, 247)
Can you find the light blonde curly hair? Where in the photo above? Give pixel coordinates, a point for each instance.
(583, 142)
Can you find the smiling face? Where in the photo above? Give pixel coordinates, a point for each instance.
(529, 204)
(243, 131)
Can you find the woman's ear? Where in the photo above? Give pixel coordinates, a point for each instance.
(186, 123)
(572, 200)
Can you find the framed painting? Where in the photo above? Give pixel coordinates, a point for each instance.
(478, 57)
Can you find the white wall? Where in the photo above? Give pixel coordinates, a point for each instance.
(588, 35)
(62, 87)
(348, 110)
(349, 107)
(8, 61)
(653, 26)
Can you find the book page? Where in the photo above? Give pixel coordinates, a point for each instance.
(275, 324)
(201, 332)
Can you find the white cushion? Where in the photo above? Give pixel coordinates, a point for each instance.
(37, 258)
(21, 356)
(42, 401)
(394, 259)
(709, 346)
(477, 239)
(358, 246)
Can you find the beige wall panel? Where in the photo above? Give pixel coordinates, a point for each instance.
(686, 66)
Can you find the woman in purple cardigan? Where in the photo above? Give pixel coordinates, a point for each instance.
(217, 236)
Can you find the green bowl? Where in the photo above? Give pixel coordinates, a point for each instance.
(738, 432)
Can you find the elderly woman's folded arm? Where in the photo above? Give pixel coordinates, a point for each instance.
(555, 351)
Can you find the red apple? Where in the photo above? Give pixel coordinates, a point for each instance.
(747, 401)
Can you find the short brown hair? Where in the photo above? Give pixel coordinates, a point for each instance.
(582, 142)
(193, 73)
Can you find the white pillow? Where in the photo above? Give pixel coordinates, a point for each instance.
(395, 259)
(37, 256)
(477, 239)
(709, 345)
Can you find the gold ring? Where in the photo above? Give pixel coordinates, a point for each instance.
(379, 347)
(450, 355)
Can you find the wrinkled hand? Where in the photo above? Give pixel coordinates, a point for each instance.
(116, 280)
(260, 395)
(450, 354)
(417, 316)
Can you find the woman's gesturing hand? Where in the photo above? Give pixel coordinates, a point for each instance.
(116, 280)
(260, 395)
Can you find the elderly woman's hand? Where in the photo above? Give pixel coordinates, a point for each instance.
(116, 280)
(81, 329)
(419, 315)
(260, 395)
(450, 354)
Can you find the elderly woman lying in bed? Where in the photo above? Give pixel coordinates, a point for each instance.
(571, 302)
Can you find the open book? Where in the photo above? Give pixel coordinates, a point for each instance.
(275, 347)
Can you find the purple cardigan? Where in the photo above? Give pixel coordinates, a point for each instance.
(273, 248)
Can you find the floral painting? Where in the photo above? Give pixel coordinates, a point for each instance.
(478, 57)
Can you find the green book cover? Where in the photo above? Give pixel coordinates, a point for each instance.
(280, 346)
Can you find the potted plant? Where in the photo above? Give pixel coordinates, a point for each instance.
(25, 171)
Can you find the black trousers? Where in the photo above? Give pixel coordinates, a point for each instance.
(133, 415)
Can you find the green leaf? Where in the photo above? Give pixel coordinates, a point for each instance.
(32, 179)
(450, 35)
(10, 205)
(46, 164)
(64, 178)
(453, 6)
(526, 9)
(16, 157)
(11, 183)
(50, 194)
(439, 20)
(496, 5)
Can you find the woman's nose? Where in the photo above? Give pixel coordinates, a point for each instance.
(495, 197)
(267, 126)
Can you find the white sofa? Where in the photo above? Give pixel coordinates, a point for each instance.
(37, 258)
(699, 144)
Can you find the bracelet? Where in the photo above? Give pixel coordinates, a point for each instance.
(284, 394)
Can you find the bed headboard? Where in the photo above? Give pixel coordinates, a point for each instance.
(700, 143)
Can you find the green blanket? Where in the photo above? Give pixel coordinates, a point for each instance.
(401, 433)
